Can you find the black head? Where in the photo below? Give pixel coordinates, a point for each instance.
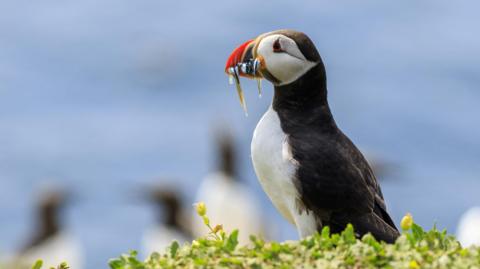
(168, 201)
(48, 217)
(49, 210)
(226, 153)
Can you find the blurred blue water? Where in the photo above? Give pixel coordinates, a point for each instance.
(104, 97)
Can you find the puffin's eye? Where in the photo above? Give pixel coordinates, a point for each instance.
(276, 46)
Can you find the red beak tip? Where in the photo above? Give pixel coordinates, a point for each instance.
(236, 56)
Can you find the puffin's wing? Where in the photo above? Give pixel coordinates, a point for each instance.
(377, 222)
(380, 207)
(336, 181)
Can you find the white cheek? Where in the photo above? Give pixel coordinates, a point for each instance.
(283, 66)
(286, 68)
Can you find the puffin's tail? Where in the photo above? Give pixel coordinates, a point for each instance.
(367, 223)
(381, 230)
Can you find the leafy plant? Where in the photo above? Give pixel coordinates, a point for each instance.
(38, 265)
(415, 248)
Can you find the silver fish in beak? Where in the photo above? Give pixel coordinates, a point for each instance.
(241, 63)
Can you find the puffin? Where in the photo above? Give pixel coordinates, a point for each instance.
(51, 242)
(171, 224)
(311, 171)
(228, 199)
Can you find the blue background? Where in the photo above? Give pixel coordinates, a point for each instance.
(104, 97)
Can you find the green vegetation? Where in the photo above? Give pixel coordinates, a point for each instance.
(415, 248)
(38, 265)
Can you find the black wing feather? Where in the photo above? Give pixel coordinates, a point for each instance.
(336, 182)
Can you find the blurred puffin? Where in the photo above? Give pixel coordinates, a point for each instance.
(312, 172)
(51, 242)
(229, 202)
(171, 224)
(468, 230)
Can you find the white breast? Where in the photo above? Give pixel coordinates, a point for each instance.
(468, 231)
(62, 247)
(158, 238)
(275, 169)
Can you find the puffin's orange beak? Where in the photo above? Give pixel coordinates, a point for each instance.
(237, 55)
(241, 61)
(236, 58)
